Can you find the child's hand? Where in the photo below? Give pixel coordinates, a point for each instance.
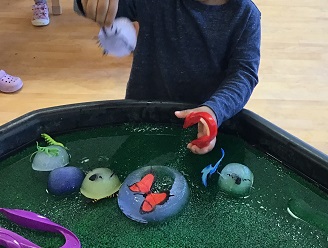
(202, 128)
(101, 11)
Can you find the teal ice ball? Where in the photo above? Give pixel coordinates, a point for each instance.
(65, 180)
(236, 180)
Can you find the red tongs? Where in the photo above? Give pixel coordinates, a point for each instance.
(194, 118)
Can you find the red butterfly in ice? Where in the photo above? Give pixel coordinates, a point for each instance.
(151, 199)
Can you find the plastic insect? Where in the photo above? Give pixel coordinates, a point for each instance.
(210, 170)
(194, 118)
(50, 151)
(51, 141)
(151, 199)
(237, 178)
(50, 157)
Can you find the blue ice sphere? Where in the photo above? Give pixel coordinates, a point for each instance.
(236, 180)
(65, 180)
(153, 194)
(48, 162)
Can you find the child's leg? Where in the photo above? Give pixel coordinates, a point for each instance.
(40, 13)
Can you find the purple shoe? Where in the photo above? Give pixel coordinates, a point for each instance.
(40, 15)
(9, 84)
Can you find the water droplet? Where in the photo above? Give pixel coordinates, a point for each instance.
(84, 160)
(103, 158)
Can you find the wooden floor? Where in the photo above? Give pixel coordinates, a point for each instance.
(61, 64)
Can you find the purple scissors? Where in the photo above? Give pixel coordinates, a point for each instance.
(33, 221)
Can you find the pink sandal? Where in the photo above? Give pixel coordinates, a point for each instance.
(9, 84)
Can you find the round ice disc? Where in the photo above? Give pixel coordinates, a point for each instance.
(236, 179)
(153, 193)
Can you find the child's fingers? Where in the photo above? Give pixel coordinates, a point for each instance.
(84, 5)
(182, 113)
(101, 11)
(203, 128)
(196, 150)
(90, 9)
(111, 13)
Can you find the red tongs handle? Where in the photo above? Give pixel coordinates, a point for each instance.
(194, 118)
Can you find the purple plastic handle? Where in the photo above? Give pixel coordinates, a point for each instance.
(13, 240)
(34, 221)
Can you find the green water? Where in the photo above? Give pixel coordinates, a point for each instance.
(211, 219)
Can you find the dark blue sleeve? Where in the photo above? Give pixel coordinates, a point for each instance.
(242, 73)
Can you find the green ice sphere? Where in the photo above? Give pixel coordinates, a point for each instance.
(100, 183)
(236, 180)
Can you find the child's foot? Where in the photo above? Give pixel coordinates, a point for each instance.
(9, 84)
(40, 14)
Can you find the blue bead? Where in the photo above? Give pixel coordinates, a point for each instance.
(65, 180)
